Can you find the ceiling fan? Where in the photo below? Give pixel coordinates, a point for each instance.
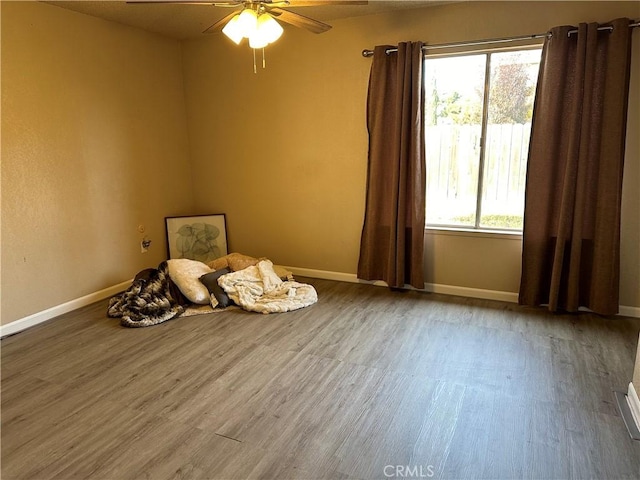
(258, 13)
(256, 20)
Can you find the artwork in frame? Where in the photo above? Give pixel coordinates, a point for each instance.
(199, 237)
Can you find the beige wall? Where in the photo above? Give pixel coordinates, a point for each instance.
(284, 152)
(636, 371)
(94, 143)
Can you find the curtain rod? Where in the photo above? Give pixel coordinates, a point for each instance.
(369, 53)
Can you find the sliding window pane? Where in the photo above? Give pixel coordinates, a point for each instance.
(511, 93)
(454, 90)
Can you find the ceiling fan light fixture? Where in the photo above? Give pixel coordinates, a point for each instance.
(260, 30)
(269, 28)
(257, 41)
(247, 22)
(233, 30)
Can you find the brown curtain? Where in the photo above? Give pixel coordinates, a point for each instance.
(571, 240)
(392, 243)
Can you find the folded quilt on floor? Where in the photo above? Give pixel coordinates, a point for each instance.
(151, 299)
(259, 289)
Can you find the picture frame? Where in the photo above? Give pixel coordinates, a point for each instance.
(197, 237)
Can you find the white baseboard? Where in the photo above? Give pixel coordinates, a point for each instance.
(39, 317)
(629, 311)
(429, 287)
(510, 297)
(634, 404)
(472, 292)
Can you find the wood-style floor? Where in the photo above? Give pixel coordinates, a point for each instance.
(367, 383)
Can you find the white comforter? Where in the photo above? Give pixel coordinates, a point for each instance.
(259, 289)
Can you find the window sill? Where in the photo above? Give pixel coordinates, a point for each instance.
(477, 233)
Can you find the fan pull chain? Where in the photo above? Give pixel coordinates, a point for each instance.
(264, 61)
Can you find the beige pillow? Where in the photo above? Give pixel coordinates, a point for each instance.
(186, 275)
(283, 273)
(218, 263)
(235, 261)
(238, 261)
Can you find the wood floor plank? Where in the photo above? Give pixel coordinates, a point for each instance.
(546, 443)
(470, 443)
(306, 417)
(508, 419)
(64, 438)
(599, 446)
(163, 449)
(226, 396)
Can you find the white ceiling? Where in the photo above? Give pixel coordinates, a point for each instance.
(189, 21)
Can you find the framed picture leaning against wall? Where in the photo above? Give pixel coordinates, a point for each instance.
(199, 237)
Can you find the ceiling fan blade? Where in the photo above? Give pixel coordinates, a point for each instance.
(322, 3)
(298, 20)
(274, 3)
(215, 3)
(219, 25)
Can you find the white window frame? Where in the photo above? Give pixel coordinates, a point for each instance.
(477, 229)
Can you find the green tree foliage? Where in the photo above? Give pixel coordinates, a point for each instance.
(510, 99)
(510, 96)
(453, 109)
(461, 111)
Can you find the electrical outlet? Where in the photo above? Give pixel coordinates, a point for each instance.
(144, 245)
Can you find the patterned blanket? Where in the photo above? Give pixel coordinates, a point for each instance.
(152, 298)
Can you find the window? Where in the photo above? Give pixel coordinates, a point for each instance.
(478, 110)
